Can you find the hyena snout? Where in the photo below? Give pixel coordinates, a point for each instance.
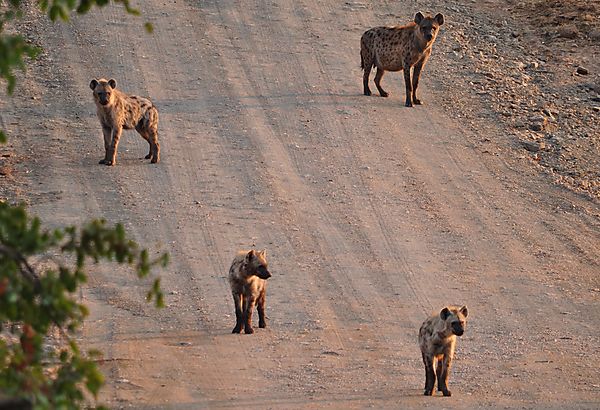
(263, 273)
(458, 329)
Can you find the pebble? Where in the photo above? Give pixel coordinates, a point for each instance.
(582, 70)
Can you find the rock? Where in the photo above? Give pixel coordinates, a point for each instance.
(537, 122)
(569, 32)
(595, 35)
(550, 113)
(533, 146)
(533, 65)
(536, 126)
(596, 109)
(582, 70)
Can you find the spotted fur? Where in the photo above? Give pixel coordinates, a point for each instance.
(437, 338)
(248, 276)
(399, 48)
(118, 111)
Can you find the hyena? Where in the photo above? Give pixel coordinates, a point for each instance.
(437, 338)
(399, 48)
(248, 276)
(117, 111)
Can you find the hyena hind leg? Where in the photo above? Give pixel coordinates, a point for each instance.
(239, 316)
(378, 77)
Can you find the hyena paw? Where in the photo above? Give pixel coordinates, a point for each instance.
(416, 101)
(408, 104)
(384, 93)
(154, 160)
(428, 392)
(367, 92)
(237, 329)
(262, 325)
(248, 330)
(148, 156)
(102, 161)
(446, 393)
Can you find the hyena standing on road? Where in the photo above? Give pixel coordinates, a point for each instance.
(437, 338)
(399, 48)
(248, 276)
(117, 111)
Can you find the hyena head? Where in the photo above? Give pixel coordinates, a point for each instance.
(256, 264)
(428, 27)
(103, 90)
(455, 319)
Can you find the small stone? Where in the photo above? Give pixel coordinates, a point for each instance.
(533, 65)
(536, 126)
(569, 32)
(582, 70)
(596, 109)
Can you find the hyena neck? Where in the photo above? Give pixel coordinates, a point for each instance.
(445, 334)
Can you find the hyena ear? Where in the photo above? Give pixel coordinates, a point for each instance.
(113, 83)
(464, 311)
(439, 18)
(263, 253)
(93, 84)
(445, 313)
(250, 255)
(419, 17)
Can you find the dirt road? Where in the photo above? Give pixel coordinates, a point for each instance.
(373, 215)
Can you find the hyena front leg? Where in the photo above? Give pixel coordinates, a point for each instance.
(415, 81)
(408, 83)
(249, 302)
(114, 146)
(429, 374)
(239, 314)
(154, 147)
(438, 372)
(261, 302)
(443, 379)
(107, 134)
(153, 136)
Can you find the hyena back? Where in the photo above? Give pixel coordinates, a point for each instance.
(437, 339)
(248, 276)
(399, 48)
(118, 111)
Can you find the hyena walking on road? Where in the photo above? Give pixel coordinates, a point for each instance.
(117, 111)
(437, 338)
(399, 48)
(248, 276)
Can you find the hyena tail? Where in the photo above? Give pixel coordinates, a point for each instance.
(366, 61)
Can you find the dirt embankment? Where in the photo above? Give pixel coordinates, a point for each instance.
(530, 75)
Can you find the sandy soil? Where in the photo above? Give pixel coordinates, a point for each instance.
(373, 215)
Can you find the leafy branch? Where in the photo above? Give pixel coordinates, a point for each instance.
(32, 302)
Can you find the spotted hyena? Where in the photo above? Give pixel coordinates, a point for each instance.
(118, 111)
(399, 48)
(248, 276)
(437, 338)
